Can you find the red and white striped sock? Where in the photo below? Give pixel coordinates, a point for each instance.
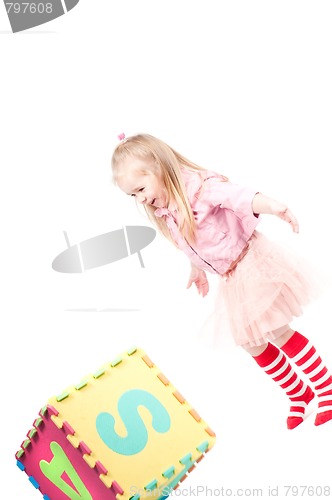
(304, 354)
(275, 364)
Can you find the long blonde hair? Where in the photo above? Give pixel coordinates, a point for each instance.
(169, 163)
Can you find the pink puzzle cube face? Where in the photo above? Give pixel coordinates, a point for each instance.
(57, 467)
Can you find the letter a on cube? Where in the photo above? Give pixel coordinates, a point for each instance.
(122, 433)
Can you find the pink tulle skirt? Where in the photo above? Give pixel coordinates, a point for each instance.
(265, 291)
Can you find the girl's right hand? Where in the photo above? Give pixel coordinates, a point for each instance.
(198, 277)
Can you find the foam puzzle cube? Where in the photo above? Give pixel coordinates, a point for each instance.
(123, 432)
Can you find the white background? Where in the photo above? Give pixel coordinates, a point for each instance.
(241, 87)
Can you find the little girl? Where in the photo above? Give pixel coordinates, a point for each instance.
(214, 222)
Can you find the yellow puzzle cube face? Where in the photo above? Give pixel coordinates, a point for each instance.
(130, 424)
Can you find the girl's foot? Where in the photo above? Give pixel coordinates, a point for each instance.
(304, 354)
(298, 408)
(276, 365)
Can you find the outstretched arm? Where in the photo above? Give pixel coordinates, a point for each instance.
(261, 204)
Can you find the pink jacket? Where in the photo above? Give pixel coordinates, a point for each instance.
(224, 220)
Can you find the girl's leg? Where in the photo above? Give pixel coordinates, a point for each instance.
(274, 363)
(303, 353)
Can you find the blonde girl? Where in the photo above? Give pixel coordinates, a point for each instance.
(263, 287)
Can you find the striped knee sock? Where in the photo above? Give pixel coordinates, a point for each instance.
(304, 354)
(275, 364)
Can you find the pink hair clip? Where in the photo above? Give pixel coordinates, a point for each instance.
(121, 136)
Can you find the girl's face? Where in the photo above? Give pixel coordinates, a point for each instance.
(140, 179)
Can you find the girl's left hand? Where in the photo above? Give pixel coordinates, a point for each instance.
(288, 216)
(198, 277)
(262, 204)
